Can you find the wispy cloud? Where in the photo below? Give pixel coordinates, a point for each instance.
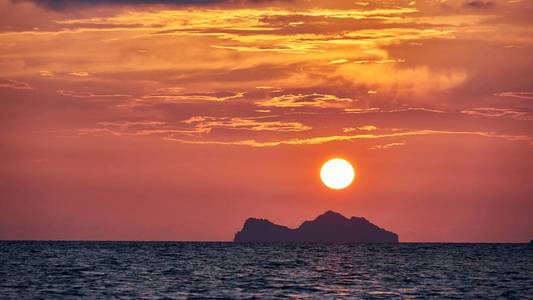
(387, 146)
(293, 48)
(178, 94)
(45, 73)
(498, 112)
(203, 124)
(360, 128)
(300, 100)
(519, 95)
(197, 125)
(131, 128)
(338, 61)
(395, 110)
(69, 4)
(346, 138)
(482, 4)
(14, 84)
(79, 94)
(79, 74)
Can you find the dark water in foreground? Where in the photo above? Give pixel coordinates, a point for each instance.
(226, 270)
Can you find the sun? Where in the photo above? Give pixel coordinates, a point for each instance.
(337, 173)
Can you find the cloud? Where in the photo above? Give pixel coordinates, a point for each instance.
(396, 110)
(387, 146)
(498, 112)
(45, 73)
(203, 124)
(380, 61)
(66, 4)
(519, 95)
(482, 4)
(79, 74)
(338, 61)
(293, 48)
(13, 84)
(413, 83)
(301, 100)
(178, 94)
(346, 138)
(76, 94)
(197, 125)
(361, 128)
(135, 128)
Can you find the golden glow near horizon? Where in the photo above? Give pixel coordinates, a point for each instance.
(337, 173)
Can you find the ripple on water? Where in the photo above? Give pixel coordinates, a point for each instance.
(228, 270)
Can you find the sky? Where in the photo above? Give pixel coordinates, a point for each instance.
(179, 119)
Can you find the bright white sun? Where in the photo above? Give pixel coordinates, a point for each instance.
(337, 173)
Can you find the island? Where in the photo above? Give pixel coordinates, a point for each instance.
(330, 227)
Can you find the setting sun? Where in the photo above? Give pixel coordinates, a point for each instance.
(337, 173)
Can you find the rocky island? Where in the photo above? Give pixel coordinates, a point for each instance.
(329, 227)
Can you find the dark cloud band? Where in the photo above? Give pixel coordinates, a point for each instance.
(65, 4)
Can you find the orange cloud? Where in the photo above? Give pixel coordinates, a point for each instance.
(519, 95)
(387, 146)
(498, 112)
(345, 138)
(338, 61)
(192, 126)
(179, 94)
(79, 74)
(204, 124)
(300, 100)
(76, 94)
(362, 128)
(13, 84)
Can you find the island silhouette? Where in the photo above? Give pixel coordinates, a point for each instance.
(331, 227)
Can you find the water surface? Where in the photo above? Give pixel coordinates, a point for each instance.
(176, 270)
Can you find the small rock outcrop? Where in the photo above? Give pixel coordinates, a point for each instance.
(330, 227)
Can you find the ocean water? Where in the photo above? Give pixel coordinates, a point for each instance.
(174, 270)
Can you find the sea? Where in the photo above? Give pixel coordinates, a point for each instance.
(191, 270)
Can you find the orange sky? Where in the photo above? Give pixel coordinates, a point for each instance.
(178, 119)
